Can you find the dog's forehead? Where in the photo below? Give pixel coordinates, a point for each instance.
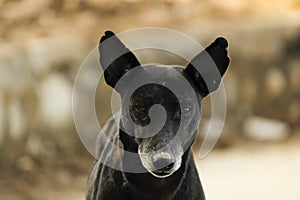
(169, 76)
(163, 73)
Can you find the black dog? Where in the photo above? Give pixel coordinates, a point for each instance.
(169, 168)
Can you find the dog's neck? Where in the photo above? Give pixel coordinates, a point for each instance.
(143, 183)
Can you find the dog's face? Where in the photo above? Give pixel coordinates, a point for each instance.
(165, 122)
(162, 114)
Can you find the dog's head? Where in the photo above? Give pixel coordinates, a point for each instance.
(161, 123)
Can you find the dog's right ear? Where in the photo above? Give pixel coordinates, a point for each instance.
(208, 67)
(115, 58)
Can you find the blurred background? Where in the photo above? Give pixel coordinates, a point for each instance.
(43, 42)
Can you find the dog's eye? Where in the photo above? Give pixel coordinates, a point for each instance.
(186, 110)
(140, 108)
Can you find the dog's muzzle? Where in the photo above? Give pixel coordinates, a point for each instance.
(162, 164)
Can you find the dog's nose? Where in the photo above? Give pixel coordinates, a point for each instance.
(163, 165)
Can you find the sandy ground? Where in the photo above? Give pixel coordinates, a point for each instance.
(268, 172)
(239, 173)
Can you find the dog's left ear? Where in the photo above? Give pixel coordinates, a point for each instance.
(207, 68)
(115, 58)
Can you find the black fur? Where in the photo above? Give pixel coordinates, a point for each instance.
(106, 183)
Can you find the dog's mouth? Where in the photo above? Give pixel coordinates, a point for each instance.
(161, 164)
(164, 172)
(161, 174)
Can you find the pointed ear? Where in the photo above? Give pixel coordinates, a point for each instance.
(115, 58)
(207, 68)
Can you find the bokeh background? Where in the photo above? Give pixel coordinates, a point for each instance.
(43, 42)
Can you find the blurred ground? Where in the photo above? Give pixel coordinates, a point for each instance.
(253, 171)
(43, 42)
